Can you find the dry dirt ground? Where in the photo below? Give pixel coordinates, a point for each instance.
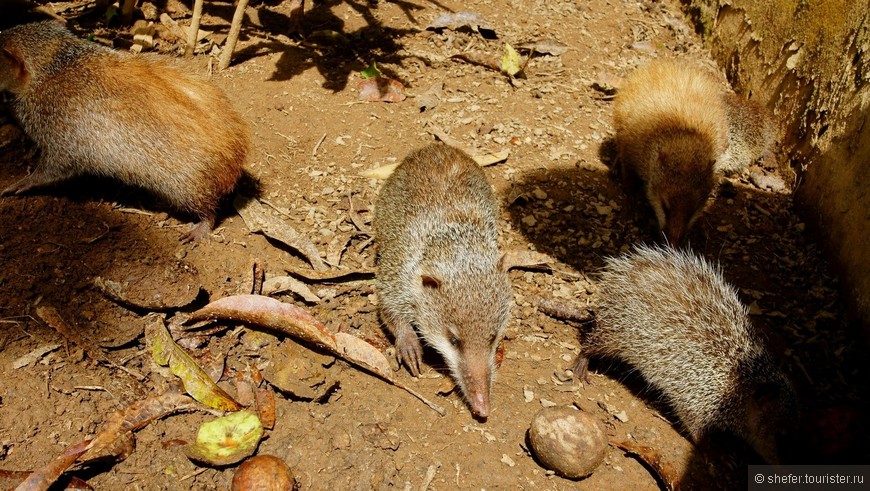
(311, 141)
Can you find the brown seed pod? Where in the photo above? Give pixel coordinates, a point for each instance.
(568, 441)
(263, 473)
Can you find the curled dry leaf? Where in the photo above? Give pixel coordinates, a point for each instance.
(362, 353)
(666, 473)
(281, 284)
(265, 398)
(226, 440)
(34, 355)
(8, 479)
(360, 274)
(562, 310)
(252, 394)
(42, 479)
(381, 172)
(301, 373)
(259, 221)
(52, 318)
(458, 20)
(546, 46)
(431, 98)
(533, 261)
(196, 381)
(381, 89)
(115, 437)
(606, 83)
(487, 159)
(269, 313)
(296, 322)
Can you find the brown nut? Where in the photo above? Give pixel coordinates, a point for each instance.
(568, 441)
(263, 473)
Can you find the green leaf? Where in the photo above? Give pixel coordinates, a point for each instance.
(371, 72)
(510, 61)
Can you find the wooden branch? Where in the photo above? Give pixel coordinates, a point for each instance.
(235, 28)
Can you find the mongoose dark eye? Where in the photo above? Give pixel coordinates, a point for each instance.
(455, 341)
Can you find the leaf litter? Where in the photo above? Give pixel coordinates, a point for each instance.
(259, 221)
(288, 319)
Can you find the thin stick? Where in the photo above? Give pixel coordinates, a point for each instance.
(193, 33)
(127, 11)
(235, 28)
(317, 147)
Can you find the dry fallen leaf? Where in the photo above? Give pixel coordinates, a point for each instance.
(52, 318)
(116, 292)
(115, 437)
(281, 284)
(42, 479)
(381, 172)
(34, 355)
(431, 98)
(296, 322)
(665, 471)
(8, 479)
(196, 381)
(487, 159)
(265, 398)
(259, 221)
(546, 46)
(381, 89)
(534, 261)
(458, 20)
(563, 310)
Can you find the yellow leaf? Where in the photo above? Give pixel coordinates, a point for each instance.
(510, 61)
(196, 382)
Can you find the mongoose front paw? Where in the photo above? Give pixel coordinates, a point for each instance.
(409, 351)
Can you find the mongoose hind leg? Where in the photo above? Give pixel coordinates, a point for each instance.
(199, 231)
(43, 175)
(580, 368)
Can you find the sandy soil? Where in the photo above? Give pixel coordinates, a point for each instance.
(311, 141)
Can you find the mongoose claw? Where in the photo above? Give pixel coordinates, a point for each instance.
(199, 232)
(22, 185)
(15, 188)
(409, 351)
(581, 369)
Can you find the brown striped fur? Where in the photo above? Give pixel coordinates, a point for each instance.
(135, 118)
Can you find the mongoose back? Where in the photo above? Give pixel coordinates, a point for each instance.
(671, 316)
(440, 268)
(751, 133)
(671, 128)
(134, 118)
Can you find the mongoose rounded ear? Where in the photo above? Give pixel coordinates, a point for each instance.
(430, 281)
(765, 394)
(14, 62)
